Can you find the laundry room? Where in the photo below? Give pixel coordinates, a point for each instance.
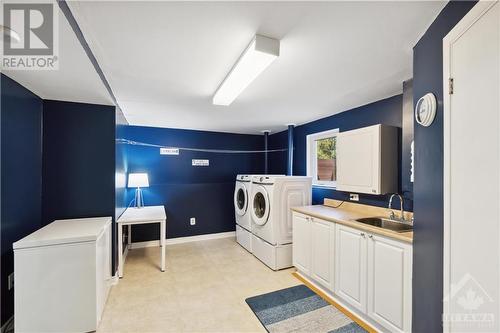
(245, 166)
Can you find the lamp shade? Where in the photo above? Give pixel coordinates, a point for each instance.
(138, 180)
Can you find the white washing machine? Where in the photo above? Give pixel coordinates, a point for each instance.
(270, 205)
(242, 192)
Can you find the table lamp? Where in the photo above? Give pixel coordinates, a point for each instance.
(138, 180)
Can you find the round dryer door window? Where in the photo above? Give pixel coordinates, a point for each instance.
(261, 207)
(240, 199)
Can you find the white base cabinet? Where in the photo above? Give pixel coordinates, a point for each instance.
(62, 275)
(389, 283)
(367, 273)
(351, 266)
(301, 244)
(322, 241)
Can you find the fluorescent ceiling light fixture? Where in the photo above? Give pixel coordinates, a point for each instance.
(261, 52)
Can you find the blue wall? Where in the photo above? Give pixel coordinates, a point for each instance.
(205, 193)
(387, 111)
(78, 161)
(428, 187)
(21, 179)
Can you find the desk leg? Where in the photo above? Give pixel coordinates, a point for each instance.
(163, 231)
(120, 250)
(129, 237)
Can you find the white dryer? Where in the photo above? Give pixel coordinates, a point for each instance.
(270, 205)
(242, 192)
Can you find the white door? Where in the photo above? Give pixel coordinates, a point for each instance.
(350, 266)
(389, 283)
(322, 252)
(301, 242)
(358, 160)
(472, 168)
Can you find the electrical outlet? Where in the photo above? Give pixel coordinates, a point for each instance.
(192, 221)
(10, 281)
(353, 197)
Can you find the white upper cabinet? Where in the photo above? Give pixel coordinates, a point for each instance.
(367, 160)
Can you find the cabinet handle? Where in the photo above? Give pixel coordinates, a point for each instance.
(371, 236)
(362, 234)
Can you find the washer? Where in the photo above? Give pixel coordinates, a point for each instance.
(242, 215)
(270, 206)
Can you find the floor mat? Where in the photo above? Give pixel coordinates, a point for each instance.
(299, 309)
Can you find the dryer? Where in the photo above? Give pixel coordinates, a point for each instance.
(270, 206)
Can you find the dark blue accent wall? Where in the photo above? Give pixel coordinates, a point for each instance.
(278, 161)
(387, 111)
(428, 187)
(78, 162)
(21, 179)
(205, 193)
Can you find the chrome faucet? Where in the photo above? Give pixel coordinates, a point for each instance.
(392, 216)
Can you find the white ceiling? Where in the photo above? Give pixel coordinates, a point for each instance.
(75, 81)
(164, 60)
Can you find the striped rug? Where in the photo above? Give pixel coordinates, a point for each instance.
(299, 309)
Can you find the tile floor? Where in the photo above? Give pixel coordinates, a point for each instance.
(202, 290)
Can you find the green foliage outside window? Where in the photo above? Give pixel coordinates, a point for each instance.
(326, 148)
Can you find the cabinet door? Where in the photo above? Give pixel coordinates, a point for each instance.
(350, 266)
(103, 270)
(358, 160)
(301, 243)
(389, 283)
(322, 252)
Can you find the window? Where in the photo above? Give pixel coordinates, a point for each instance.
(322, 158)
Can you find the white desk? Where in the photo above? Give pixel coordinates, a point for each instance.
(144, 215)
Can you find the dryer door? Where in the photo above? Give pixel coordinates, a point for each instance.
(261, 205)
(240, 198)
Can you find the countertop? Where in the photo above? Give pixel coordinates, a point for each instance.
(348, 216)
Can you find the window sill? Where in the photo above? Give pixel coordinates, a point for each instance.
(330, 187)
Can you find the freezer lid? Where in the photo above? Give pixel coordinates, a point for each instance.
(65, 232)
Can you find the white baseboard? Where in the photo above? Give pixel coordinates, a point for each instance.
(179, 240)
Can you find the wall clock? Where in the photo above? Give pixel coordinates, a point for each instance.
(425, 110)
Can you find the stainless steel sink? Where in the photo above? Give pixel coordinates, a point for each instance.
(386, 224)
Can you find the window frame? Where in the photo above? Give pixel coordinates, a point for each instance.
(312, 169)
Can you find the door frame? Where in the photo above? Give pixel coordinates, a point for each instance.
(475, 14)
